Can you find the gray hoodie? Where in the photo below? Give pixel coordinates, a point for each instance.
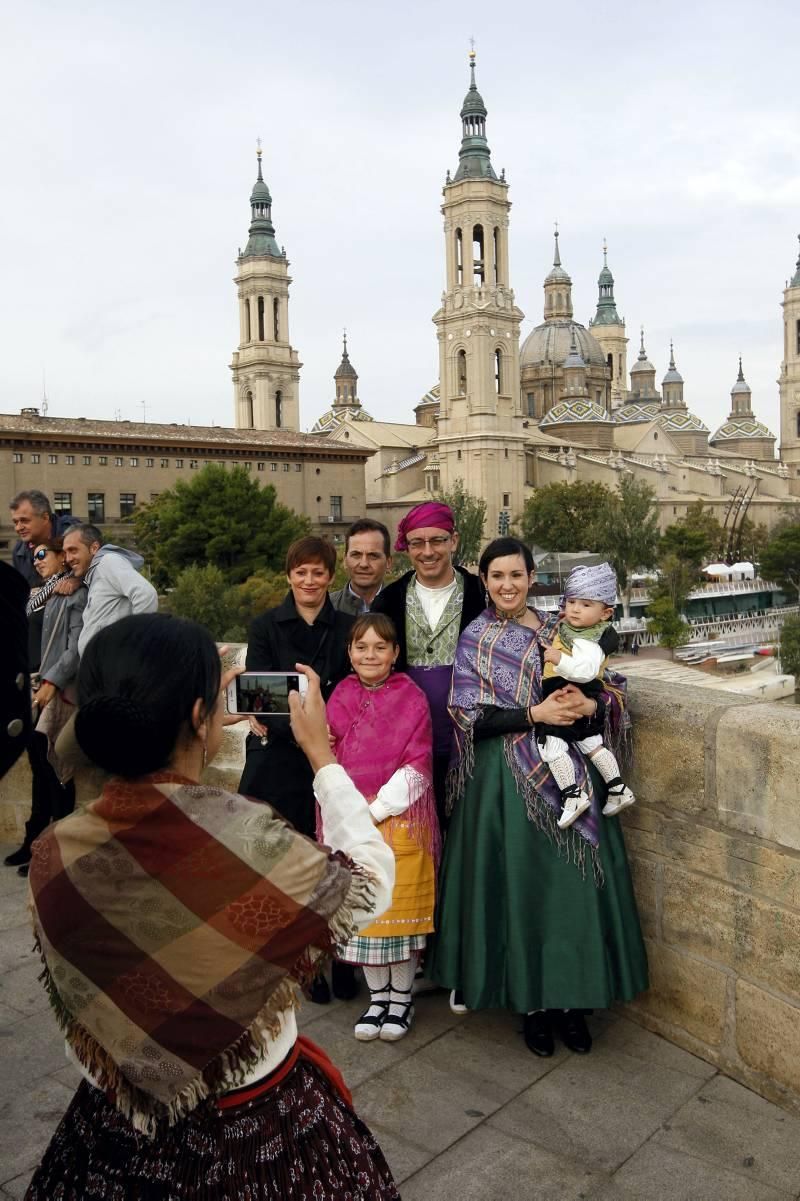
(115, 590)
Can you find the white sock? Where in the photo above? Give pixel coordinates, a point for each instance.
(563, 771)
(402, 978)
(378, 981)
(606, 764)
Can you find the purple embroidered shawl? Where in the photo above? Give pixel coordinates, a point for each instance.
(498, 663)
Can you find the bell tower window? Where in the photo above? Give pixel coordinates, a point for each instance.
(248, 410)
(461, 364)
(478, 260)
(496, 254)
(261, 318)
(275, 325)
(278, 410)
(797, 420)
(498, 371)
(247, 321)
(459, 257)
(797, 347)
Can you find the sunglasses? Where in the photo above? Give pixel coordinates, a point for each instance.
(40, 555)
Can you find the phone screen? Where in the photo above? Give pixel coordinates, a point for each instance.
(262, 693)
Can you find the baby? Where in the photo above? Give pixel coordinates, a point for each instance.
(578, 656)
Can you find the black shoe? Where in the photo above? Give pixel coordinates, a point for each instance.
(16, 858)
(23, 871)
(573, 1031)
(538, 1032)
(319, 992)
(344, 980)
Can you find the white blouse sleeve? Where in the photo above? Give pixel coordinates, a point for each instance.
(347, 826)
(393, 798)
(583, 663)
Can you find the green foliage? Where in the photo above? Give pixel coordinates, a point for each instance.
(563, 517)
(664, 620)
(790, 647)
(675, 581)
(754, 538)
(470, 516)
(695, 539)
(626, 531)
(222, 517)
(780, 559)
(202, 594)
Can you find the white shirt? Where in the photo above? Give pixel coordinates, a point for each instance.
(434, 600)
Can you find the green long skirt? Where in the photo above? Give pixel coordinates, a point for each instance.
(517, 926)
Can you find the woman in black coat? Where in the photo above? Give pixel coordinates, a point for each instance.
(305, 628)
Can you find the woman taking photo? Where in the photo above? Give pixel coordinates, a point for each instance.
(531, 918)
(54, 626)
(175, 921)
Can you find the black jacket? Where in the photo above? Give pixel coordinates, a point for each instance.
(22, 554)
(15, 689)
(392, 602)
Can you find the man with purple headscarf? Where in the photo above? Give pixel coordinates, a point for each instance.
(430, 606)
(578, 656)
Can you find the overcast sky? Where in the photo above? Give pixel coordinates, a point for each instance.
(127, 153)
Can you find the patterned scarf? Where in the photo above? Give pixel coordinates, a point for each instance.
(40, 596)
(567, 633)
(498, 663)
(379, 730)
(174, 921)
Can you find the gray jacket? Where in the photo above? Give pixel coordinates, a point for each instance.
(116, 590)
(61, 628)
(346, 601)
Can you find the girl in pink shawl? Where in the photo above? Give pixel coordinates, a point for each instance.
(380, 728)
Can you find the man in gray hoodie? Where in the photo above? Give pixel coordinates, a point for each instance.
(111, 573)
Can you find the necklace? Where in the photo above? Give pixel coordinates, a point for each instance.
(523, 609)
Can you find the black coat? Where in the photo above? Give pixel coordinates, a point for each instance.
(15, 689)
(279, 772)
(392, 602)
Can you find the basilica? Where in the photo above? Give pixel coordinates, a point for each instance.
(507, 417)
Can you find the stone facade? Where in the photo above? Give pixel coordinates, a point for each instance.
(789, 380)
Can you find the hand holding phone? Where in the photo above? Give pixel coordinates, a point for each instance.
(262, 694)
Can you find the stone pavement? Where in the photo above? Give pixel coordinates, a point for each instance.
(461, 1108)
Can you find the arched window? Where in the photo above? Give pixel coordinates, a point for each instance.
(559, 299)
(478, 259)
(496, 254)
(248, 410)
(275, 327)
(531, 404)
(248, 328)
(498, 371)
(461, 364)
(459, 257)
(610, 361)
(278, 410)
(261, 318)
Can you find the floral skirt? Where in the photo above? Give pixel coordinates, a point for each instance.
(298, 1140)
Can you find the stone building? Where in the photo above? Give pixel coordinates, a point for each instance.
(789, 380)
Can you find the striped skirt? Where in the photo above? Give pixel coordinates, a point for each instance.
(296, 1139)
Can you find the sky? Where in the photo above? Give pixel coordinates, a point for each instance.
(127, 157)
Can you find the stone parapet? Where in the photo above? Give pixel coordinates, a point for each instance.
(714, 845)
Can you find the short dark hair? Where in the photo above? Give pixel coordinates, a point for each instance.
(138, 681)
(500, 547)
(311, 550)
(56, 545)
(383, 626)
(88, 533)
(36, 499)
(365, 525)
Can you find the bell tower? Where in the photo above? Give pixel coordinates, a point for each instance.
(789, 381)
(266, 370)
(481, 438)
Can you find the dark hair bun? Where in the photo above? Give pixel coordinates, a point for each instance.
(118, 735)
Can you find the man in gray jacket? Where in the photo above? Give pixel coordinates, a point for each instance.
(111, 573)
(367, 557)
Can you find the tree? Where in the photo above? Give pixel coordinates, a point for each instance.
(222, 517)
(562, 517)
(675, 580)
(790, 647)
(626, 532)
(780, 559)
(664, 620)
(202, 594)
(469, 513)
(695, 538)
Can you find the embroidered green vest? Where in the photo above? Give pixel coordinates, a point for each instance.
(433, 648)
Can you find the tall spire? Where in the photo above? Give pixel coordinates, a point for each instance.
(262, 232)
(606, 305)
(557, 288)
(796, 281)
(741, 396)
(474, 160)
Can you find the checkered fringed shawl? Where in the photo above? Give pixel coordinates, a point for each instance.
(499, 663)
(174, 921)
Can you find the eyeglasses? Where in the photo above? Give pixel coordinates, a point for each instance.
(436, 543)
(40, 555)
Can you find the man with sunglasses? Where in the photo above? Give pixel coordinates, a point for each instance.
(35, 523)
(430, 606)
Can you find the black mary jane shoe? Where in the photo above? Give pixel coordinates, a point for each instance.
(319, 992)
(344, 980)
(18, 858)
(573, 1031)
(538, 1032)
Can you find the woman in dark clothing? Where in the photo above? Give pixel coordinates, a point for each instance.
(305, 628)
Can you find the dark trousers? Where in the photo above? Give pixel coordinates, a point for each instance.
(50, 800)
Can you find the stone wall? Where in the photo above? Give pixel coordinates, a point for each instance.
(714, 846)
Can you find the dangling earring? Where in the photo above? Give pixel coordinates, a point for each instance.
(487, 598)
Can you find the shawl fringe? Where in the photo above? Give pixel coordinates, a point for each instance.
(229, 1069)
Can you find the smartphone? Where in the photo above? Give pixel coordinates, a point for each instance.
(264, 693)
